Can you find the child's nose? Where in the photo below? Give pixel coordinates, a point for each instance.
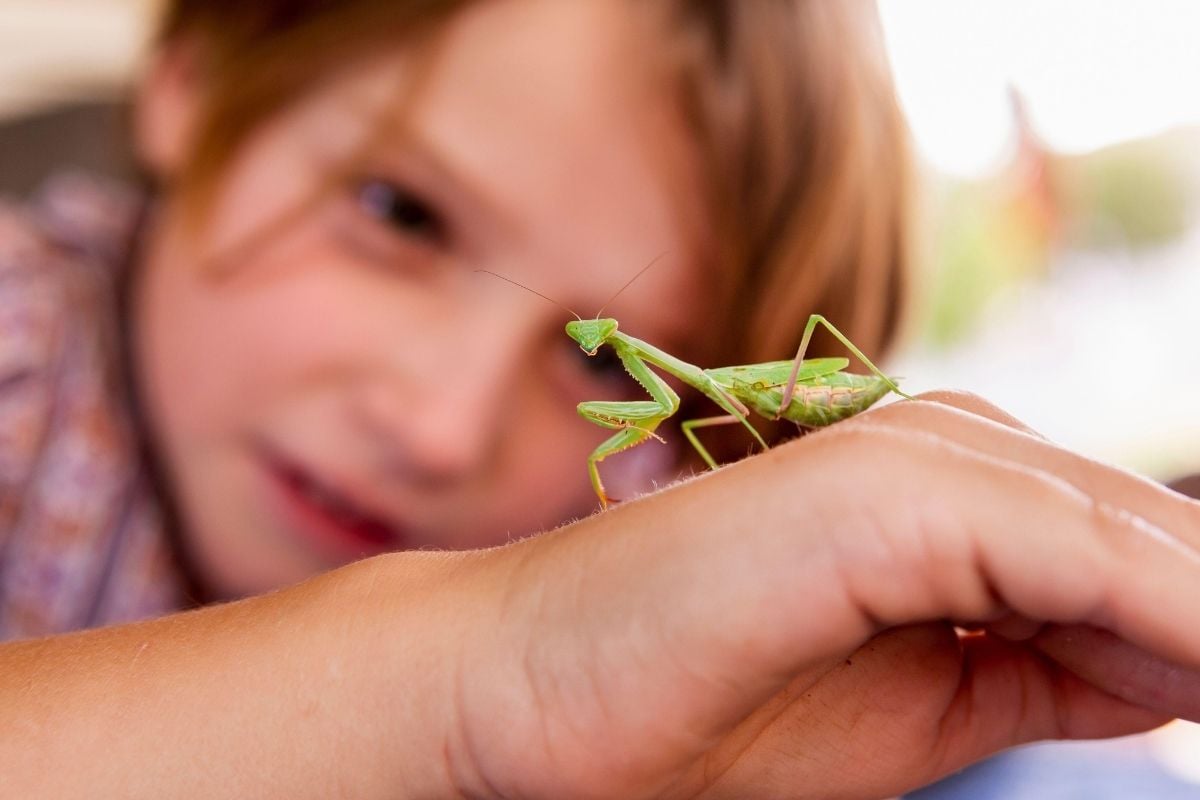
(438, 426)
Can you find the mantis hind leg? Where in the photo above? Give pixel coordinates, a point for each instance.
(813, 321)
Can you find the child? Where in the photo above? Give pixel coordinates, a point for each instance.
(322, 374)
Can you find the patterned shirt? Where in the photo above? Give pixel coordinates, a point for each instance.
(82, 535)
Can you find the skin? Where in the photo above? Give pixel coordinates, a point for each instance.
(678, 646)
(730, 636)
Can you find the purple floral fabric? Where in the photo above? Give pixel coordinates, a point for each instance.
(81, 533)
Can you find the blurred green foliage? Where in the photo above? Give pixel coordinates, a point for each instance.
(986, 236)
(1130, 195)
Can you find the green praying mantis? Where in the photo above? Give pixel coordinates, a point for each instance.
(811, 392)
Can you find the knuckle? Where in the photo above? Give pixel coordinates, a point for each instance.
(960, 399)
(940, 404)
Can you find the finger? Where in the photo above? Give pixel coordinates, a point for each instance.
(1001, 436)
(974, 404)
(1000, 535)
(923, 703)
(1009, 694)
(1124, 670)
(1111, 664)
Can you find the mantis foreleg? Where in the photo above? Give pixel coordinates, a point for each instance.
(636, 420)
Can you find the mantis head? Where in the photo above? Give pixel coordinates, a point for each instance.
(591, 333)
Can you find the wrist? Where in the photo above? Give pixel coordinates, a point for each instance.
(398, 626)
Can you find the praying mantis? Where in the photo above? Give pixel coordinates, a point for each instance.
(811, 392)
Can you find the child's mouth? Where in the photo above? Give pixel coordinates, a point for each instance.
(338, 520)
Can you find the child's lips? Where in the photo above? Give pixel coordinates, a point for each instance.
(331, 513)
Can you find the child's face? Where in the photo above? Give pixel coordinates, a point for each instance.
(350, 384)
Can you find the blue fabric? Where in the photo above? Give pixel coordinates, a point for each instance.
(1064, 771)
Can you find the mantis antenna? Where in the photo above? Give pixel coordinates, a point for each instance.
(629, 282)
(526, 288)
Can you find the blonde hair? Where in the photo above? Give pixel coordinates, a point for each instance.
(803, 146)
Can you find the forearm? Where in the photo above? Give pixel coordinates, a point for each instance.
(318, 690)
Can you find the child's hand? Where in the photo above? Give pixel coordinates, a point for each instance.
(782, 627)
(785, 626)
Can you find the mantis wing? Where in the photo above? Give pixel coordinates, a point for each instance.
(775, 373)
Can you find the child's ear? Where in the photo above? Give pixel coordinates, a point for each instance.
(166, 107)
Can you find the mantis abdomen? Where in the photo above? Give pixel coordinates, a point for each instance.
(815, 402)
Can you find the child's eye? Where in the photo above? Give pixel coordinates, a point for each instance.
(400, 209)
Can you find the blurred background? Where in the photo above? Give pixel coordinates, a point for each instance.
(1058, 145)
(1061, 251)
(1059, 265)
